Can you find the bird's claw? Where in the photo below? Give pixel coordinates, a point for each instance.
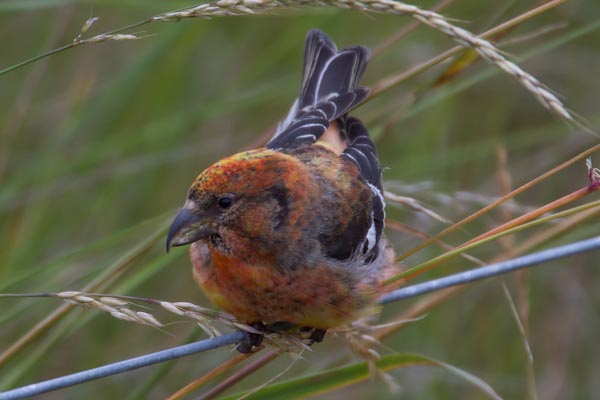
(316, 335)
(251, 339)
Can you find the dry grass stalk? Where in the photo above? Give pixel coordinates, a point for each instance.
(238, 376)
(108, 36)
(552, 206)
(100, 281)
(360, 344)
(215, 372)
(500, 201)
(429, 302)
(400, 227)
(112, 305)
(415, 205)
(119, 307)
(102, 37)
(593, 173)
(430, 18)
(287, 342)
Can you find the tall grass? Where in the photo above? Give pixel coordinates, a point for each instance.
(98, 145)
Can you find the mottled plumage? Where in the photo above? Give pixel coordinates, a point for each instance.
(293, 232)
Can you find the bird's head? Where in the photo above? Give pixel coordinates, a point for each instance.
(244, 196)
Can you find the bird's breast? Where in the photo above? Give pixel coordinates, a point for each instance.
(319, 295)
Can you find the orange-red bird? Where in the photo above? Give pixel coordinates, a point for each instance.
(292, 233)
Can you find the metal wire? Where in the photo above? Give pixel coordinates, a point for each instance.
(491, 270)
(121, 366)
(231, 338)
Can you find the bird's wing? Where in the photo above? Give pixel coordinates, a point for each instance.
(329, 90)
(361, 151)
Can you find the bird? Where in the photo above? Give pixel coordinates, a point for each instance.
(291, 234)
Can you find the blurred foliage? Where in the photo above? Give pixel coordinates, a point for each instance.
(98, 145)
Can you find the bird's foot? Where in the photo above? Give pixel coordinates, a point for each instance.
(251, 339)
(316, 335)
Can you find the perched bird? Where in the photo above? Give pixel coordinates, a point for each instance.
(292, 233)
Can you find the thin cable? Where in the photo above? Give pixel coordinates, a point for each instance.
(121, 366)
(491, 270)
(231, 338)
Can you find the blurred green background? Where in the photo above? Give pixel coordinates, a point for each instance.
(99, 144)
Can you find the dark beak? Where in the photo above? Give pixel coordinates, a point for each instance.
(187, 227)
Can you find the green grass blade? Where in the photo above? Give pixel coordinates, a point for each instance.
(337, 378)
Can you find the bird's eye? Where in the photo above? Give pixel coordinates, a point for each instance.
(225, 202)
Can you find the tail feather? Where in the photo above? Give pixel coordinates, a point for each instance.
(330, 81)
(327, 71)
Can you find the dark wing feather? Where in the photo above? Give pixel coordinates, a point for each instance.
(329, 90)
(361, 151)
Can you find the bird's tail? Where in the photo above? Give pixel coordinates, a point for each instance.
(329, 74)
